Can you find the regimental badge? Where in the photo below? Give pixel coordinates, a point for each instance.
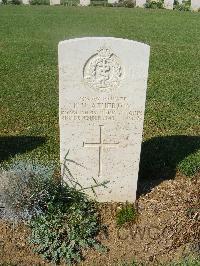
(103, 70)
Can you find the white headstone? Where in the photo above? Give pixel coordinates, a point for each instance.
(169, 4)
(54, 2)
(102, 91)
(25, 2)
(195, 5)
(84, 2)
(140, 3)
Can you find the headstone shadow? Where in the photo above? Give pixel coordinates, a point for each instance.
(160, 157)
(12, 145)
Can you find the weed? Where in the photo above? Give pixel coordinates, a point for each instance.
(127, 213)
(68, 227)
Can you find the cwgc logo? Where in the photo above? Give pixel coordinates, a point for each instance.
(103, 71)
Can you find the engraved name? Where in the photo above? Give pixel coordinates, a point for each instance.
(97, 109)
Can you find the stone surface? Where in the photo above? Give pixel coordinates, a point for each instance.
(102, 91)
(54, 2)
(25, 2)
(140, 3)
(113, 1)
(169, 4)
(195, 5)
(84, 2)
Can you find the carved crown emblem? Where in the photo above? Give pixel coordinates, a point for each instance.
(103, 70)
(104, 52)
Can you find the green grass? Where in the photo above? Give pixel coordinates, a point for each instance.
(29, 36)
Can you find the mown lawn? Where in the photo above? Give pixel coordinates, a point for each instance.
(29, 36)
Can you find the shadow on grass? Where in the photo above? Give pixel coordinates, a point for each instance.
(160, 157)
(12, 145)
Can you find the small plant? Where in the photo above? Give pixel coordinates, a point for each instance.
(39, 2)
(127, 213)
(15, 2)
(185, 6)
(154, 4)
(125, 3)
(4, 2)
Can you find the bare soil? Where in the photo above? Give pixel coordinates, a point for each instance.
(167, 229)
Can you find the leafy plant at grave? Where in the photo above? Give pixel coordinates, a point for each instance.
(4, 2)
(185, 6)
(176, 3)
(126, 214)
(25, 187)
(15, 2)
(125, 3)
(39, 2)
(69, 226)
(62, 219)
(154, 4)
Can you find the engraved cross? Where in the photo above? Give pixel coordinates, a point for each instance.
(100, 145)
